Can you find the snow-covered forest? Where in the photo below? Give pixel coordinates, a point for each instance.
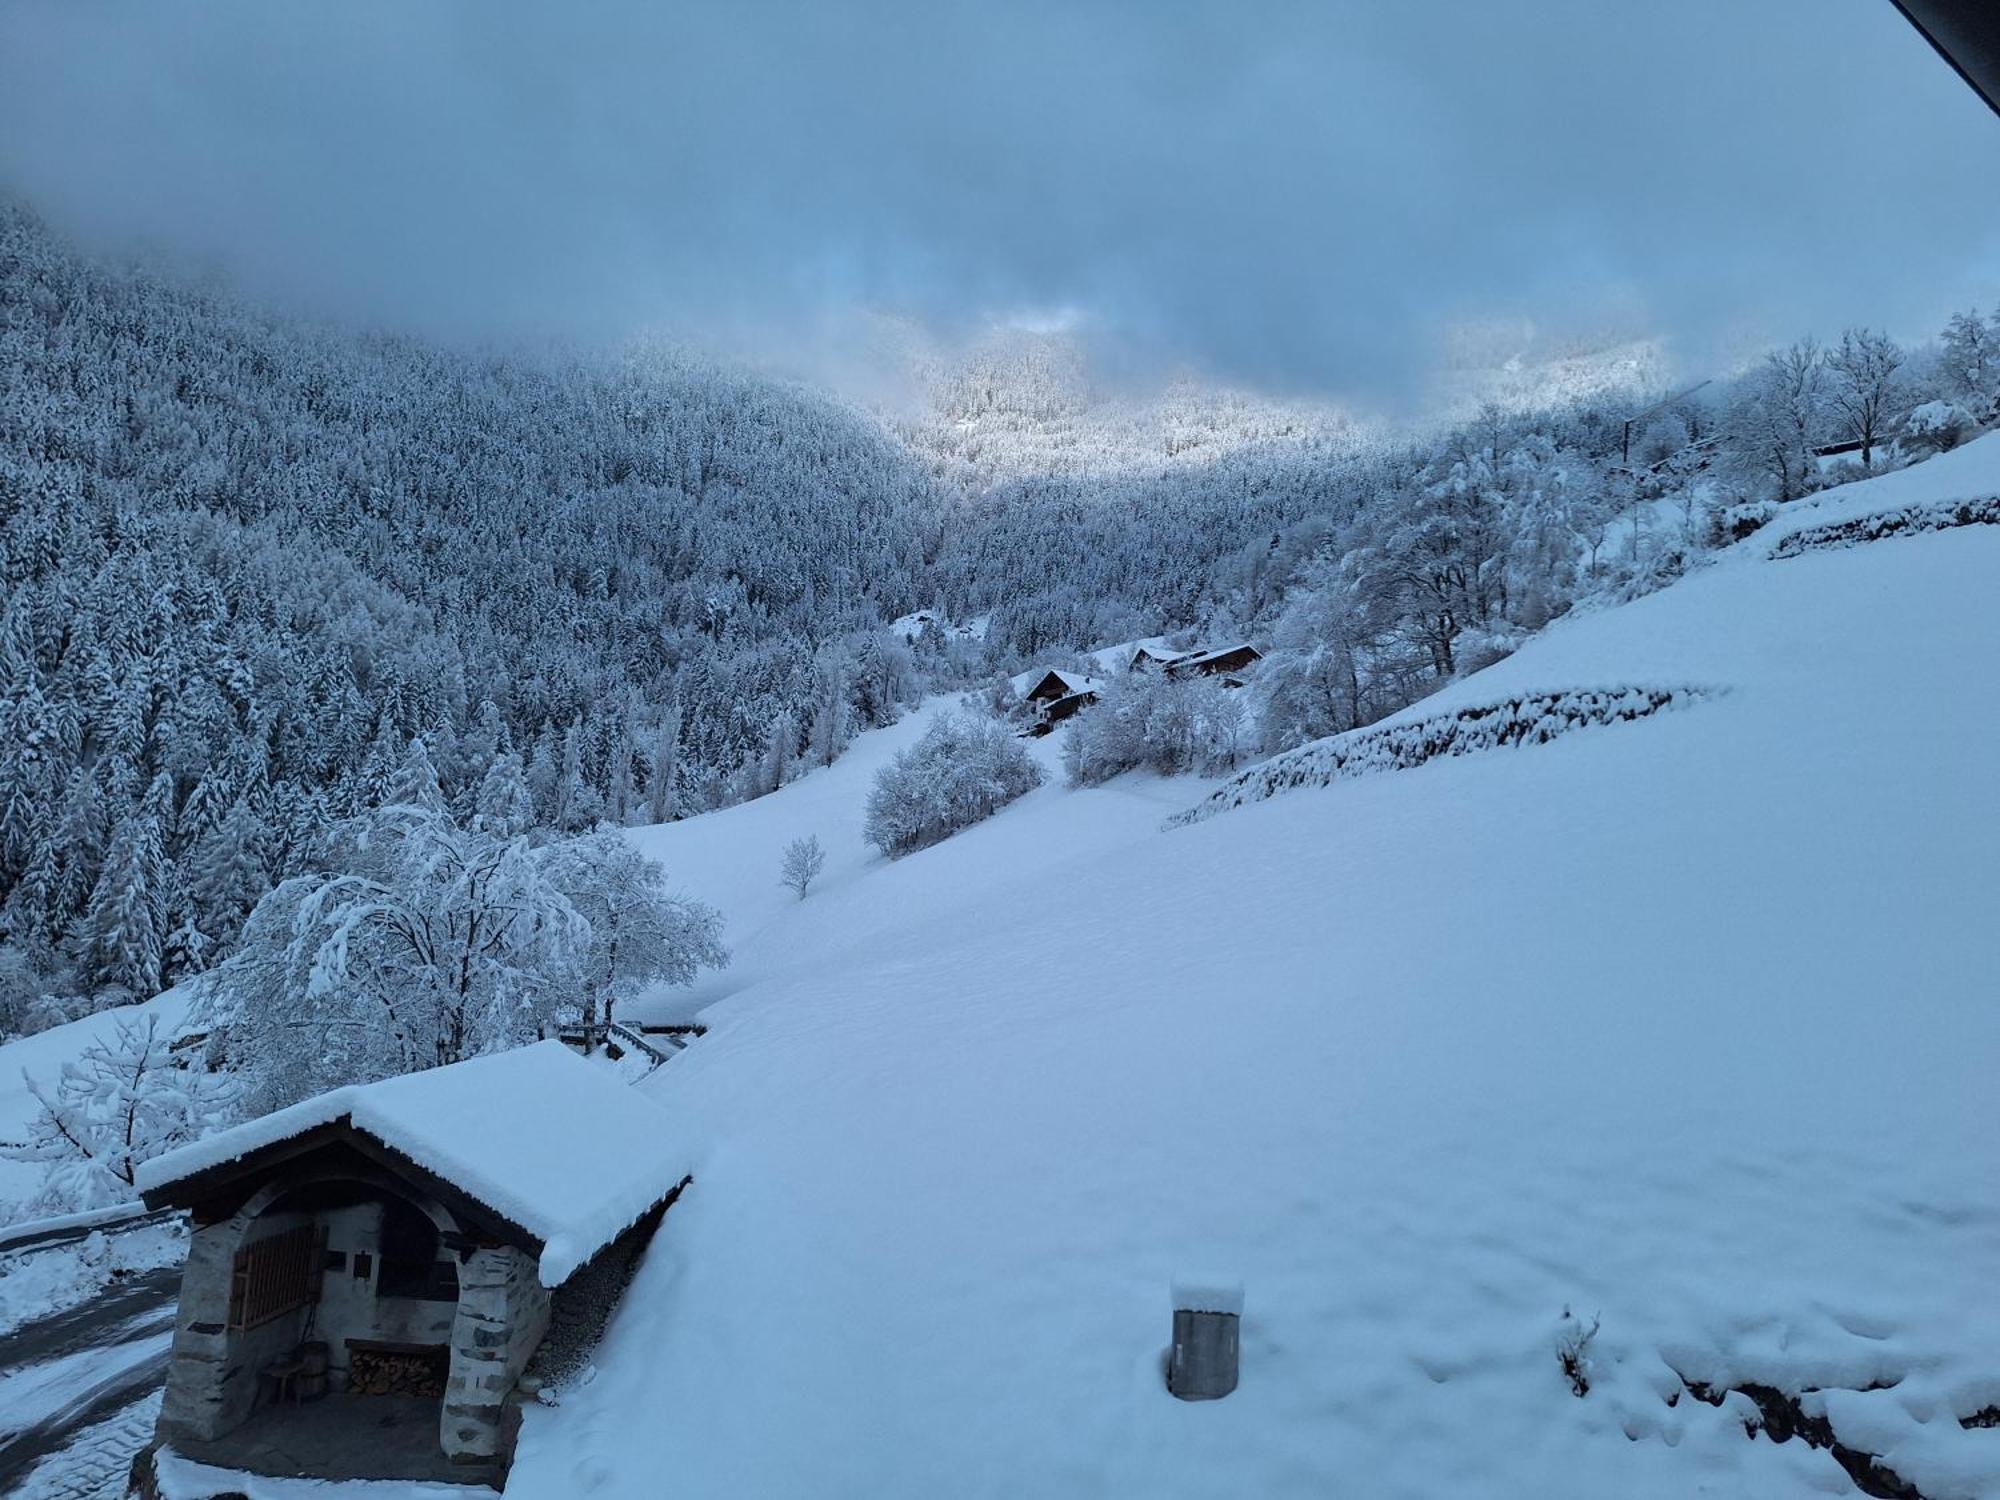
(253, 567)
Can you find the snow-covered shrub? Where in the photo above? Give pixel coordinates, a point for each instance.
(1910, 520)
(1166, 725)
(123, 1101)
(1573, 1341)
(962, 770)
(1936, 426)
(1735, 522)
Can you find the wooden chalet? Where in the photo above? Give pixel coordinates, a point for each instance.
(1226, 662)
(371, 1272)
(1059, 695)
(1150, 658)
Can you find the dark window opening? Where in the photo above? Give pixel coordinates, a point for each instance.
(363, 1264)
(432, 1281)
(410, 1264)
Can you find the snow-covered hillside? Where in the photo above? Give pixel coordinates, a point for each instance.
(862, 903)
(1684, 1025)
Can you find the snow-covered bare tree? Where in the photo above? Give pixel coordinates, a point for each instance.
(1865, 387)
(437, 943)
(1969, 359)
(124, 1100)
(1783, 417)
(641, 934)
(804, 859)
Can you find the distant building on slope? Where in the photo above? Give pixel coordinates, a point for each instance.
(371, 1271)
(1148, 658)
(1226, 662)
(1058, 695)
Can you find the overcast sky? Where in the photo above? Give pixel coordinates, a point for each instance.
(1295, 196)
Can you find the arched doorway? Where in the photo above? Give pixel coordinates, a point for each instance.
(332, 1353)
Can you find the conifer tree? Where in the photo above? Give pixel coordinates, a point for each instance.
(122, 941)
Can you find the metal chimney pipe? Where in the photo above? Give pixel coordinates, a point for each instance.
(1208, 1312)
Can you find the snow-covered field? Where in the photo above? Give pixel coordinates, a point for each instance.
(1686, 1025)
(862, 903)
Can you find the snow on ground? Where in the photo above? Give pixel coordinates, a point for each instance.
(96, 1465)
(1684, 1025)
(41, 1057)
(183, 1479)
(863, 900)
(42, 1280)
(43, 1392)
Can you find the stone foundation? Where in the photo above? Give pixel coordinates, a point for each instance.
(503, 1310)
(212, 1373)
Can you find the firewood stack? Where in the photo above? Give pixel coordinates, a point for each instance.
(397, 1372)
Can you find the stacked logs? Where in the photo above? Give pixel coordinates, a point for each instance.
(397, 1370)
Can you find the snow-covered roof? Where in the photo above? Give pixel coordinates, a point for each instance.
(1210, 653)
(539, 1136)
(1072, 682)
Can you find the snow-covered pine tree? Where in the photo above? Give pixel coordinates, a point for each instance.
(504, 806)
(663, 789)
(414, 782)
(229, 872)
(121, 937)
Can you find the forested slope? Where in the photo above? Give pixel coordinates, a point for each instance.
(249, 560)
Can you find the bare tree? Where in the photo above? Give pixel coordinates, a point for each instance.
(1775, 430)
(1865, 386)
(804, 859)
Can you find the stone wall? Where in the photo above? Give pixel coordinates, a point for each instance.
(503, 1310)
(213, 1374)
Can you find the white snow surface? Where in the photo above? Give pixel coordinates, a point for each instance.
(1686, 1025)
(42, 1280)
(863, 901)
(537, 1134)
(184, 1479)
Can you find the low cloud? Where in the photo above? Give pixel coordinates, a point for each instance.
(1300, 197)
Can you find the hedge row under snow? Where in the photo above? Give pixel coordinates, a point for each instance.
(1531, 719)
(1909, 521)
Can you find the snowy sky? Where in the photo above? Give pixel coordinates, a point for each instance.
(1306, 196)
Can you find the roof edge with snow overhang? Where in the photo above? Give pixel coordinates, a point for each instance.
(544, 1142)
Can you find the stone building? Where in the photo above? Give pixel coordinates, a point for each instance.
(371, 1271)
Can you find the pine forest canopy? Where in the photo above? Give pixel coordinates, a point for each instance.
(255, 568)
